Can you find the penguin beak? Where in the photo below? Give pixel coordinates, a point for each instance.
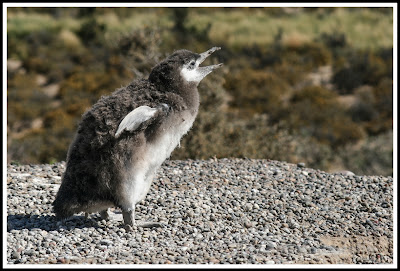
(206, 54)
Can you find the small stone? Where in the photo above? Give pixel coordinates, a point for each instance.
(29, 252)
(301, 250)
(106, 242)
(313, 250)
(15, 255)
(184, 248)
(286, 230)
(248, 206)
(190, 213)
(270, 245)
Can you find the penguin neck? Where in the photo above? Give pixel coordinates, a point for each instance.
(190, 95)
(188, 92)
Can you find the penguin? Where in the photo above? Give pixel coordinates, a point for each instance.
(124, 138)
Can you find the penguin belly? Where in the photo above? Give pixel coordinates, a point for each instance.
(140, 175)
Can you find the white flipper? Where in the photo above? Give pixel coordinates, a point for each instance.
(136, 117)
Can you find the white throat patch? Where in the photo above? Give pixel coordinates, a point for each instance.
(191, 75)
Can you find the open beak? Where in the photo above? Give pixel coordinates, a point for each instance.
(206, 54)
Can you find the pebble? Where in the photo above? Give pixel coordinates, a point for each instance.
(301, 165)
(219, 211)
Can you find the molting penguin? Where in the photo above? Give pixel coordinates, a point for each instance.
(125, 137)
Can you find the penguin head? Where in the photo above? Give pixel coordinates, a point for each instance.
(182, 66)
(191, 70)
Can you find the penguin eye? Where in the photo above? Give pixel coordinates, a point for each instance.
(191, 64)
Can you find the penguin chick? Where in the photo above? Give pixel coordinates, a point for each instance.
(126, 136)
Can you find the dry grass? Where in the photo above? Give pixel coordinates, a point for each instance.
(24, 23)
(237, 27)
(364, 28)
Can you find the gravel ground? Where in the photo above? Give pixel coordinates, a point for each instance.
(219, 211)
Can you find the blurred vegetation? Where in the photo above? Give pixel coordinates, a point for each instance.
(310, 85)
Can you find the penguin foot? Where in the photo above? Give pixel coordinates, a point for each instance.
(129, 221)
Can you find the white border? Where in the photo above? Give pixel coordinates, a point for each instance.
(395, 126)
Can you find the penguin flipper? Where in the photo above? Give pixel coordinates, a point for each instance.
(137, 116)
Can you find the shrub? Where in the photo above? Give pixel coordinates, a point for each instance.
(226, 135)
(186, 34)
(373, 156)
(307, 55)
(92, 32)
(374, 107)
(25, 101)
(47, 143)
(316, 112)
(334, 40)
(363, 110)
(256, 91)
(383, 103)
(139, 51)
(94, 73)
(358, 68)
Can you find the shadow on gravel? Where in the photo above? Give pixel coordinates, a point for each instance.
(49, 222)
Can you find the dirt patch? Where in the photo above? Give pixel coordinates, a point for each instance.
(360, 249)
